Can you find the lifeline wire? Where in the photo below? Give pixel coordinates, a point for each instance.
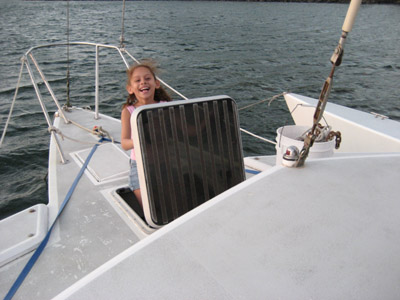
(12, 105)
(68, 77)
(121, 39)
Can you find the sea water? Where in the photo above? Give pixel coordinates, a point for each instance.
(249, 51)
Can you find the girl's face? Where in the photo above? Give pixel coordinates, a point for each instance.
(143, 85)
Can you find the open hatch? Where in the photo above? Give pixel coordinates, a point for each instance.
(187, 152)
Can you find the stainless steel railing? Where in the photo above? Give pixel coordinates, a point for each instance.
(29, 56)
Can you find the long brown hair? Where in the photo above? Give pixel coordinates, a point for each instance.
(160, 93)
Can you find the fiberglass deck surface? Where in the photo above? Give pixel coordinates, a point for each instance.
(90, 231)
(329, 230)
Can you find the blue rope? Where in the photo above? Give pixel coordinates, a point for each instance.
(43, 244)
(108, 140)
(252, 171)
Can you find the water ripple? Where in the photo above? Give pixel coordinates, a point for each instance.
(248, 50)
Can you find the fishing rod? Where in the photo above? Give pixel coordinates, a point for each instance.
(336, 60)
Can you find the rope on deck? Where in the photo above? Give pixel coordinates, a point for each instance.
(21, 277)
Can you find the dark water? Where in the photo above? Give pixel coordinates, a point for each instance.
(250, 51)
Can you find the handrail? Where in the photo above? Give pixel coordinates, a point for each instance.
(29, 56)
(97, 50)
(121, 52)
(48, 86)
(46, 114)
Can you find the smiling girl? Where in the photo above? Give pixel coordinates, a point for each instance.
(143, 88)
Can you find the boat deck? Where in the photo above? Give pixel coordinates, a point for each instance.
(300, 247)
(96, 224)
(309, 229)
(96, 217)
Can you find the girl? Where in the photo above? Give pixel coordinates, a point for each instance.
(143, 88)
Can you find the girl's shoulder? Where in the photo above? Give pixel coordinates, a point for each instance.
(130, 108)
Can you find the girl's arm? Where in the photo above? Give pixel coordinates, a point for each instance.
(126, 140)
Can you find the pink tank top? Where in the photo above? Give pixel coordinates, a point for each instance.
(131, 108)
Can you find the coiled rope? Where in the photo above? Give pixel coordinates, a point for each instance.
(99, 131)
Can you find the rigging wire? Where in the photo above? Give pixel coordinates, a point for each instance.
(121, 38)
(68, 77)
(256, 103)
(12, 104)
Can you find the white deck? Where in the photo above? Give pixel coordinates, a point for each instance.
(22, 233)
(328, 230)
(93, 228)
(309, 234)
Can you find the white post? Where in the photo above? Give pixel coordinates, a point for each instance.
(96, 95)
